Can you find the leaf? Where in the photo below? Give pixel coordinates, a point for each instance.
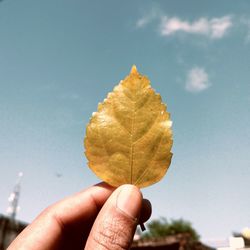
(129, 138)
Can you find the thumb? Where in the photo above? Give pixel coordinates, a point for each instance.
(115, 224)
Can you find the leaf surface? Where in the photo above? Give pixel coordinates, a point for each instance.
(129, 138)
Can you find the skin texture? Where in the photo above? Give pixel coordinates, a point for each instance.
(100, 217)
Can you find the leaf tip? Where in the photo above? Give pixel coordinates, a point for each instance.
(134, 70)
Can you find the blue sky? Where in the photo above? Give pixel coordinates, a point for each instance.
(58, 59)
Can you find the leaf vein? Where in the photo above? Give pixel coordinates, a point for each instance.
(119, 122)
(146, 169)
(146, 132)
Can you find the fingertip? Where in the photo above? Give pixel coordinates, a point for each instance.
(104, 185)
(129, 200)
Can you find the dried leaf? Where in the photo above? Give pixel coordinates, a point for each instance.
(129, 138)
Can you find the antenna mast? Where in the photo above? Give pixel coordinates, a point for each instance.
(14, 198)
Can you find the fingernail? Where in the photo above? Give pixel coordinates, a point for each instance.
(129, 201)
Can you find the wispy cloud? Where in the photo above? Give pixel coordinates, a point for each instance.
(214, 28)
(197, 80)
(245, 21)
(148, 18)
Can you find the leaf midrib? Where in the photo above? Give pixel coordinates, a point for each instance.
(132, 143)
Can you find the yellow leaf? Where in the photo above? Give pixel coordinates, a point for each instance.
(129, 138)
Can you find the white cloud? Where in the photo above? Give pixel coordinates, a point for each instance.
(197, 80)
(214, 28)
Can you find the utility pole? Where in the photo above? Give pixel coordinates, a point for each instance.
(9, 225)
(14, 198)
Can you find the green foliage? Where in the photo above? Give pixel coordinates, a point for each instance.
(161, 227)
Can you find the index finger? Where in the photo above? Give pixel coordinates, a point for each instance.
(72, 216)
(81, 206)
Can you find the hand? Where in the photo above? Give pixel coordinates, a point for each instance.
(100, 217)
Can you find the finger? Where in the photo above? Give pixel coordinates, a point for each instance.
(115, 224)
(73, 214)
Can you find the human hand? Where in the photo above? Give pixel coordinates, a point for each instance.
(100, 217)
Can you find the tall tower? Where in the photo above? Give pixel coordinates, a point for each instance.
(14, 198)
